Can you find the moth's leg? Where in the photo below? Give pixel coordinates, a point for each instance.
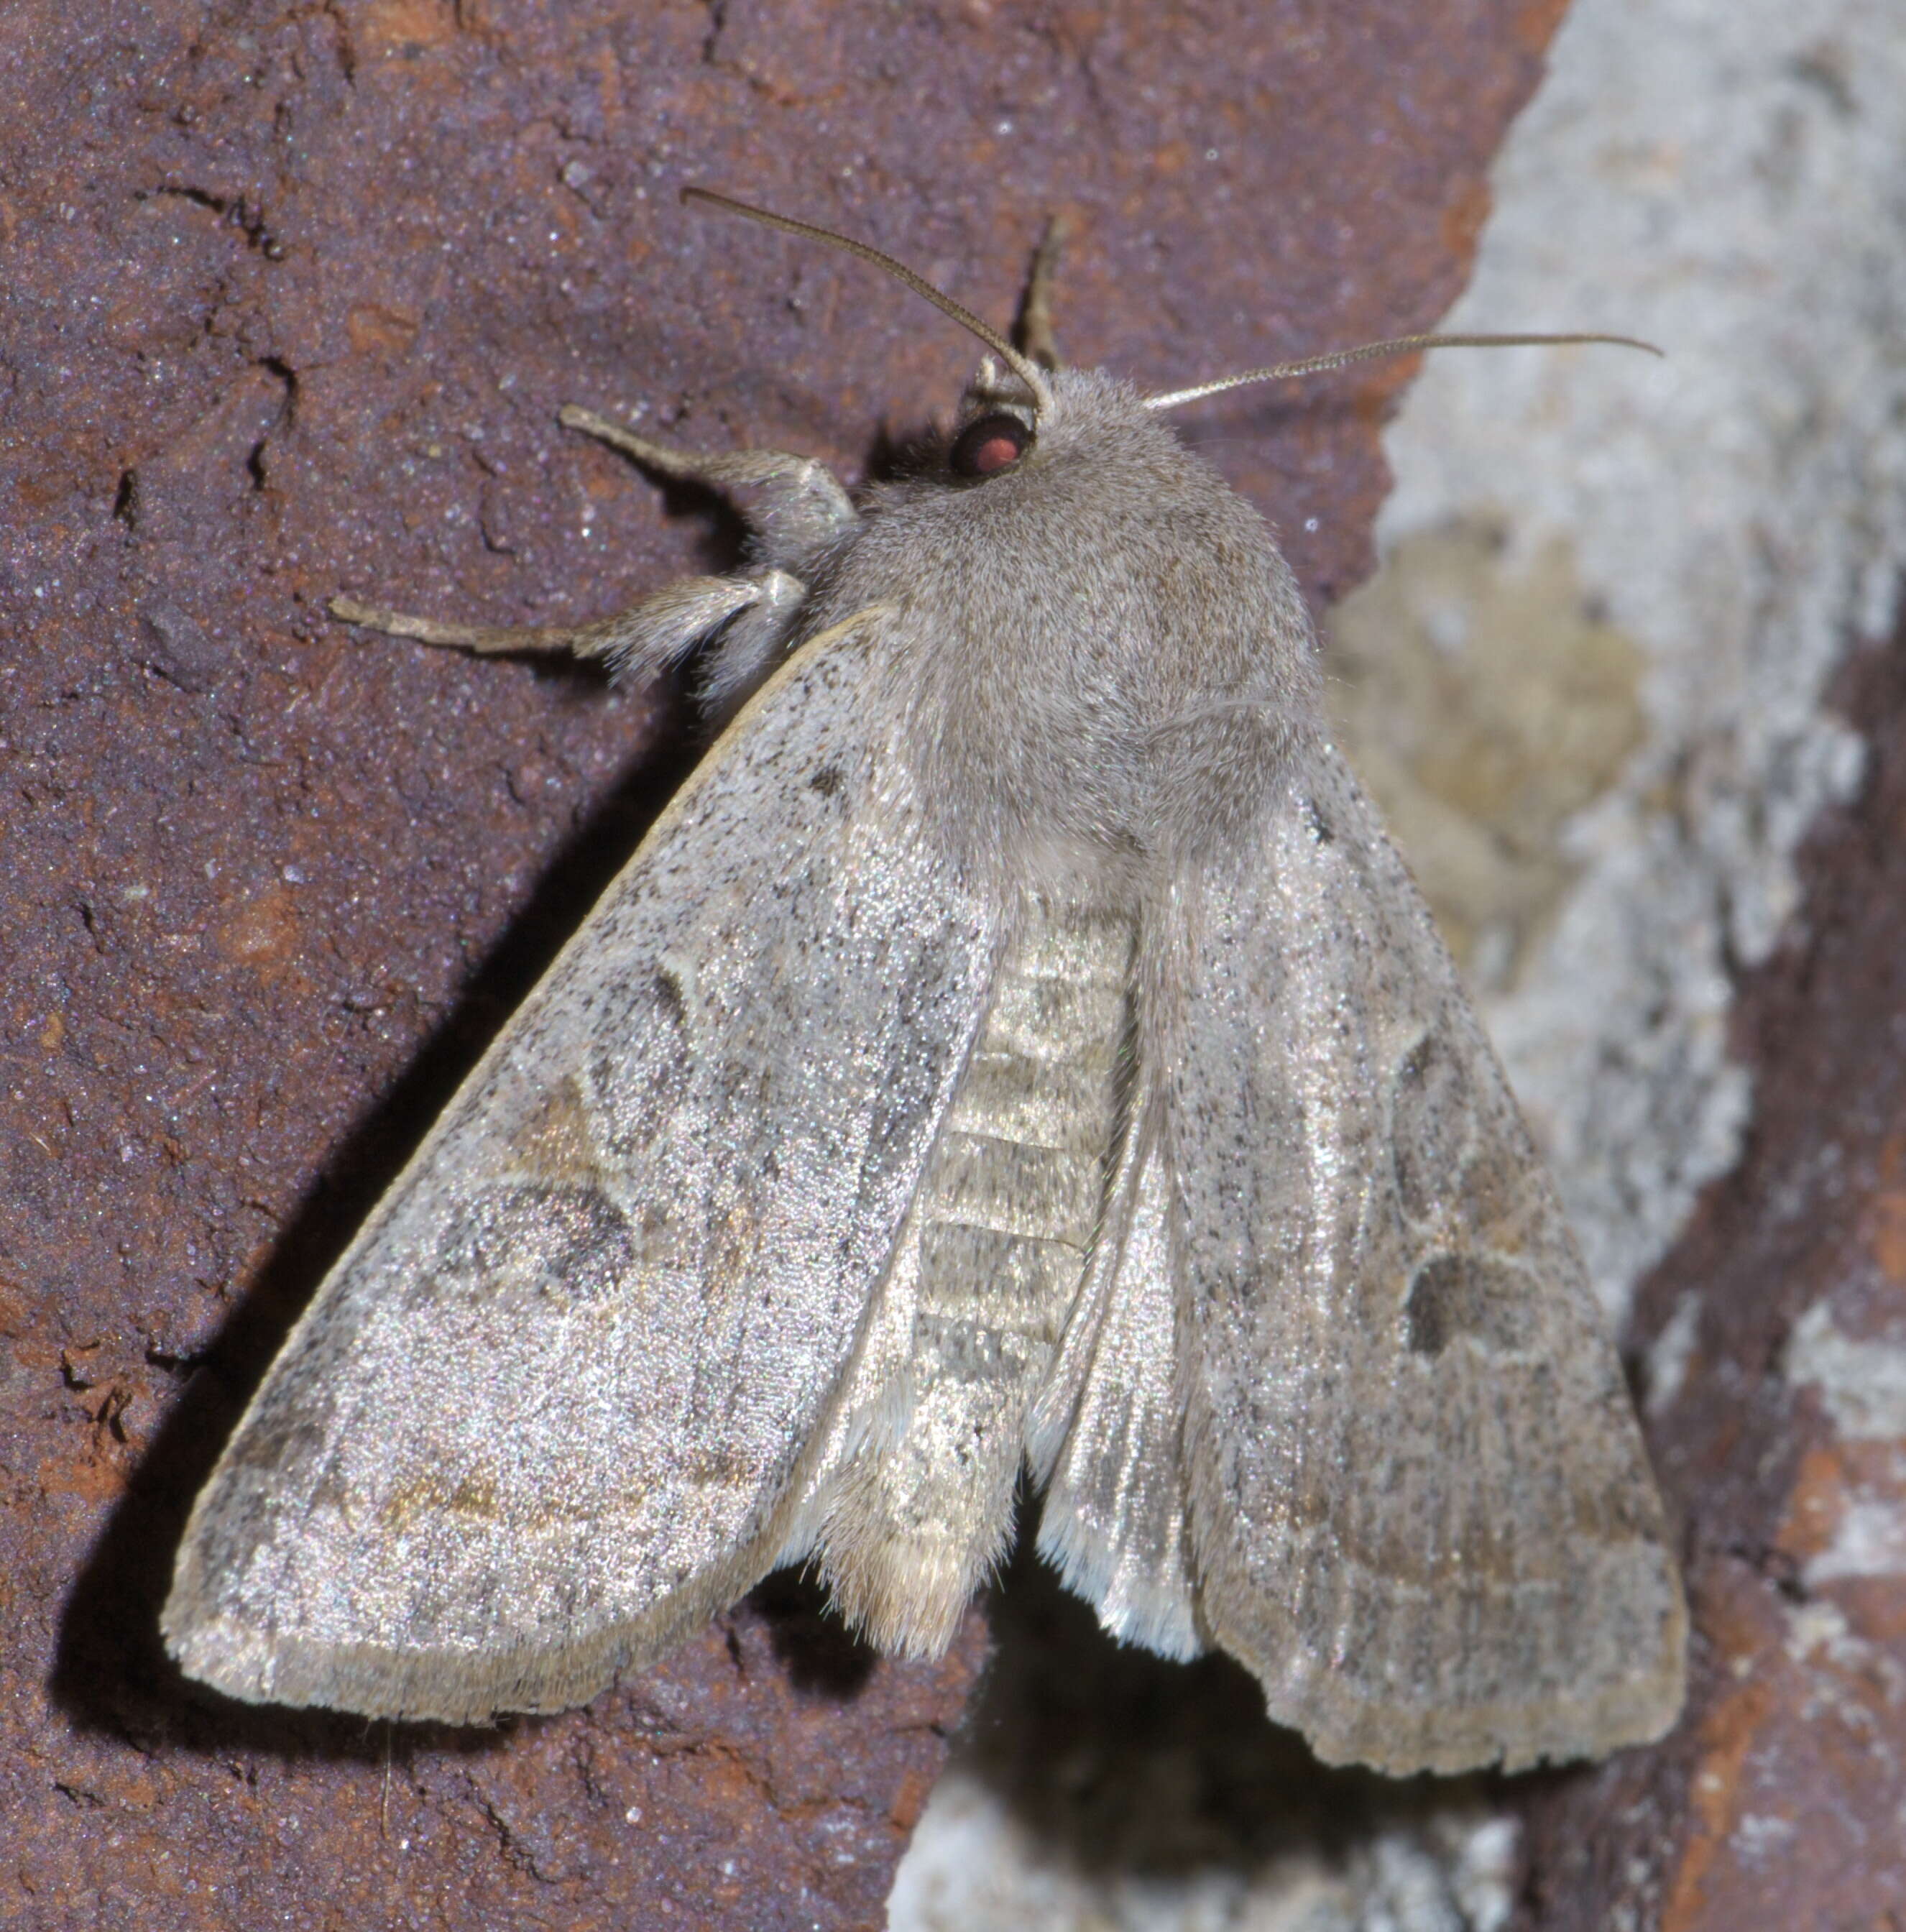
(750, 647)
(647, 637)
(800, 506)
(746, 619)
(1034, 330)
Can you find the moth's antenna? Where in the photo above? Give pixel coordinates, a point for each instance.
(1401, 345)
(1027, 371)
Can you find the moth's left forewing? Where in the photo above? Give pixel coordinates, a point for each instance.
(560, 1399)
(1420, 1508)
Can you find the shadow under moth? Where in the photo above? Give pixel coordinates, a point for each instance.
(1018, 1043)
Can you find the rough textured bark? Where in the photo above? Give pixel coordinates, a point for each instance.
(294, 294)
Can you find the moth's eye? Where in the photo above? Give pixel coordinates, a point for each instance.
(984, 448)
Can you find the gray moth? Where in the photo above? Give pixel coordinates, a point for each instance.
(1018, 1044)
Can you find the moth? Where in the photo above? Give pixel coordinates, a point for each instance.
(1017, 1044)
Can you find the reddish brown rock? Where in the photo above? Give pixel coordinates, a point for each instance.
(292, 296)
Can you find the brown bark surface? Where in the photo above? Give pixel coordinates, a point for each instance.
(292, 294)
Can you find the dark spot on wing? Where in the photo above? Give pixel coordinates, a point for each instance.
(566, 1243)
(669, 995)
(1431, 1126)
(1454, 1295)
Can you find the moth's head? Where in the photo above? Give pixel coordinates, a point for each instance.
(1086, 416)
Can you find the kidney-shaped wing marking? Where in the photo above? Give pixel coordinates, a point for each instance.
(550, 1410)
(1420, 1507)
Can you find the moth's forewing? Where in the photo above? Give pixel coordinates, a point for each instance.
(1420, 1507)
(554, 1406)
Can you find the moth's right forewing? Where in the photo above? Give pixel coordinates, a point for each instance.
(555, 1404)
(1420, 1506)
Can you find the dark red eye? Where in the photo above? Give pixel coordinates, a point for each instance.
(984, 448)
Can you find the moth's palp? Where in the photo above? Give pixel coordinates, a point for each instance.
(1034, 331)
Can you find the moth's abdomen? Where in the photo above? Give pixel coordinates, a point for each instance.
(1014, 1194)
(1003, 1225)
